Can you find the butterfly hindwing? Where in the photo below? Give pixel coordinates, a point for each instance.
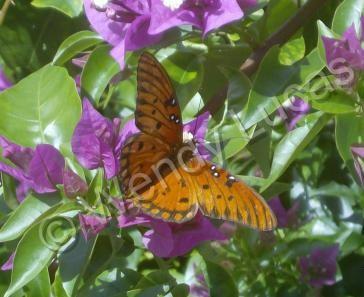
(139, 154)
(157, 110)
(173, 199)
(211, 189)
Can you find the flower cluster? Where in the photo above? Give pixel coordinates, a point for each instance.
(346, 51)
(286, 218)
(319, 267)
(131, 25)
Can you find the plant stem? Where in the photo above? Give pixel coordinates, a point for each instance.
(4, 10)
(281, 36)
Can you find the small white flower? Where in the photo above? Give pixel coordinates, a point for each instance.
(100, 4)
(172, 4)
(187, 136)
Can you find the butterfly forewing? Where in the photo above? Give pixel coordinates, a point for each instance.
(157, 110)
(223, 196)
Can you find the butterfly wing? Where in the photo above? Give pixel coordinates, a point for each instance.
(212, 190)
(175, 195)
(158, 116)
(173, 199)
(157, 109)
(138, 156)
(223, 196)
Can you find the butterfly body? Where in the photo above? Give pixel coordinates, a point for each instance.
(162, 171)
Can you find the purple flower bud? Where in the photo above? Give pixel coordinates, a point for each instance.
(292, 112)
(73, 184)
(4, 81)
(8, 265)
(92, 225)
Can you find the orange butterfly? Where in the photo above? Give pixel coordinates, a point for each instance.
(162, 174)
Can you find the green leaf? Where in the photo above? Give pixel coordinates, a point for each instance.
(292, 51)
(98, 72)
(42, 108)
(277, 12)
(71, 8)
(9, 188)
(323, 30)
(31, 257)
(260, 147)
(274, 83)
(72, 264)
(181, 290)
(294, 143)
(349, 131)
(348, 13)
(23, 216)
(274, 189)
(234, 139)
(155, 284)
(40, 286)
(74, 45)
(351, 267)
(113, 282)
(57, 287)
(337, 102)
(220, 281)
(186, 71)
(93, 195)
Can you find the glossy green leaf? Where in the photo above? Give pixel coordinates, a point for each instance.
(234, 139)
(113, 282)
(27, 212)
(73, 262)
(71, 8)
(293, 143)
(154, 284)
(74, 45)
(348, 13)
(42, 108)
(94, 191)
(275, 83)
(278, 11)
(98, 72)
(337, 102)
(57, 287)
(220, 281)
(9, 189)
(181, 290)
(274, 189)
(40, 286)
(323, 30)
(349, 131)
(32, 256)
(292, 51)
(186, 71)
